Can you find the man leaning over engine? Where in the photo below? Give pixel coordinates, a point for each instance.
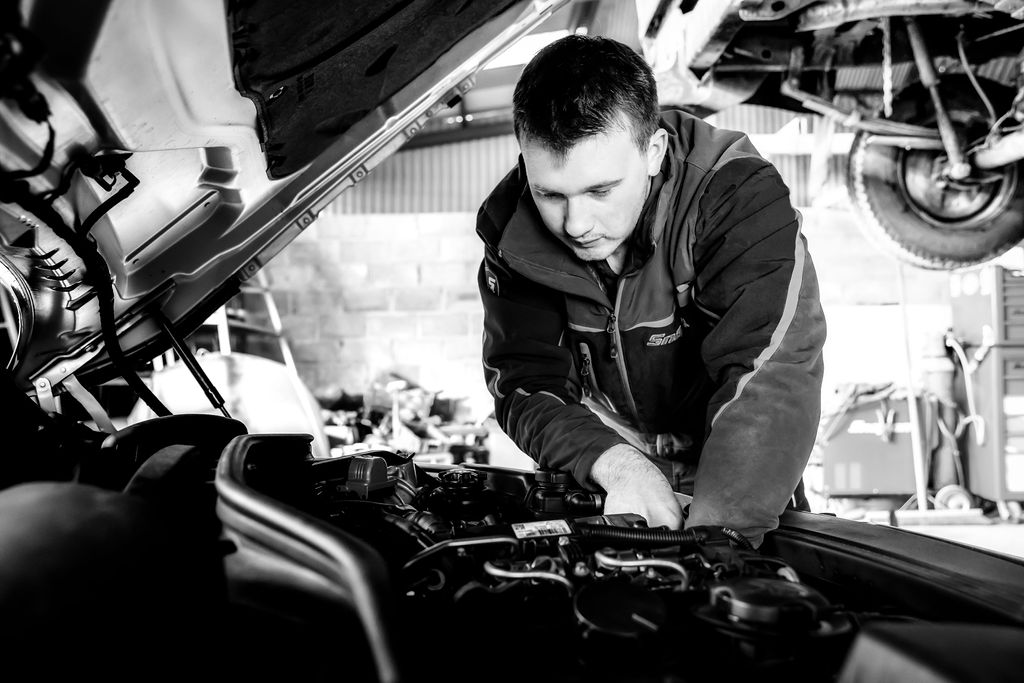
(652, 321)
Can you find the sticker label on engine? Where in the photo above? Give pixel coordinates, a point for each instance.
(550, 527)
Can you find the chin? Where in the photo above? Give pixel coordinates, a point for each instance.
(596, 253)
(590, 255)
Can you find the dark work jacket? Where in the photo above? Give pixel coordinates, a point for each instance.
(714, 335)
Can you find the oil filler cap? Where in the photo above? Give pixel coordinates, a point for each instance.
(461, 479)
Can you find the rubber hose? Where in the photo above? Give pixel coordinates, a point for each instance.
(640, 534)
(411, 530)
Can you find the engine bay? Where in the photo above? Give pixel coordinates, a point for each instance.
(371, 566)
(518, 574)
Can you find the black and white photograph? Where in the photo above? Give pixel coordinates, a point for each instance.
(640, 341)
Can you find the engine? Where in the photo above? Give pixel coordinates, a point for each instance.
(519, 575)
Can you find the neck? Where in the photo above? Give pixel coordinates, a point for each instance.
(617, 259)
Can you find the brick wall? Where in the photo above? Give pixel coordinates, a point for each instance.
(363, 294)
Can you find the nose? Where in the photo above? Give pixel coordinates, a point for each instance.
(577, 221)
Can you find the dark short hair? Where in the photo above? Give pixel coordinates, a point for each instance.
(577, 87)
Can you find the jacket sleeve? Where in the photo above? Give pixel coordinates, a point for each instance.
(756, 283)
(531, 375)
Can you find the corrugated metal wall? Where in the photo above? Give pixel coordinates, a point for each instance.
(453, 177)
(752, 119)
(457, 177)
(617, 20)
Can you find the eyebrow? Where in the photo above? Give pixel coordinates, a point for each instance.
(608, 184)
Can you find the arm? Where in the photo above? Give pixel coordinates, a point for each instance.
(537, 396)
(756, 281)
(531, 375)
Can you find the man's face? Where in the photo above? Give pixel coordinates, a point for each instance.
(591, 198)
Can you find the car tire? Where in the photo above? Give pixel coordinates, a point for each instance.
(908, 215)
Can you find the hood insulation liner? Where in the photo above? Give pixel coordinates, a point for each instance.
(315, 67)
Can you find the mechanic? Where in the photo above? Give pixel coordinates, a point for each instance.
(651, 314)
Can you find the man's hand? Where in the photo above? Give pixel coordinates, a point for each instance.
(635, 484)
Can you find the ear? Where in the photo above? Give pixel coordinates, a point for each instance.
(656, 149)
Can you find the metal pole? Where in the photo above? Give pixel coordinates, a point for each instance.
(916, 445)
(959, 168)
(192, 364)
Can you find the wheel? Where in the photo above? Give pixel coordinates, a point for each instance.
(908, 211)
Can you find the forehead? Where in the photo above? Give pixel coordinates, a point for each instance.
(597, 159)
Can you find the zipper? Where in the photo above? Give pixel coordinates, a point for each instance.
(589, 381)
(619, 358)
(610, 329)
(590, 387)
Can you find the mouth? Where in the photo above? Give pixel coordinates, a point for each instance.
(586, 245)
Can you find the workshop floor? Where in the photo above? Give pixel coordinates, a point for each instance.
(969, 527)
(1002, 537)
(988, 532)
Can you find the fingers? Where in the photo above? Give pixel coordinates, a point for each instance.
(634, 484)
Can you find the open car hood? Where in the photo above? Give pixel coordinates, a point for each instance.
(192, 141)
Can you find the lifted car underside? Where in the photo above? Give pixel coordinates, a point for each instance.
(933, 90)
